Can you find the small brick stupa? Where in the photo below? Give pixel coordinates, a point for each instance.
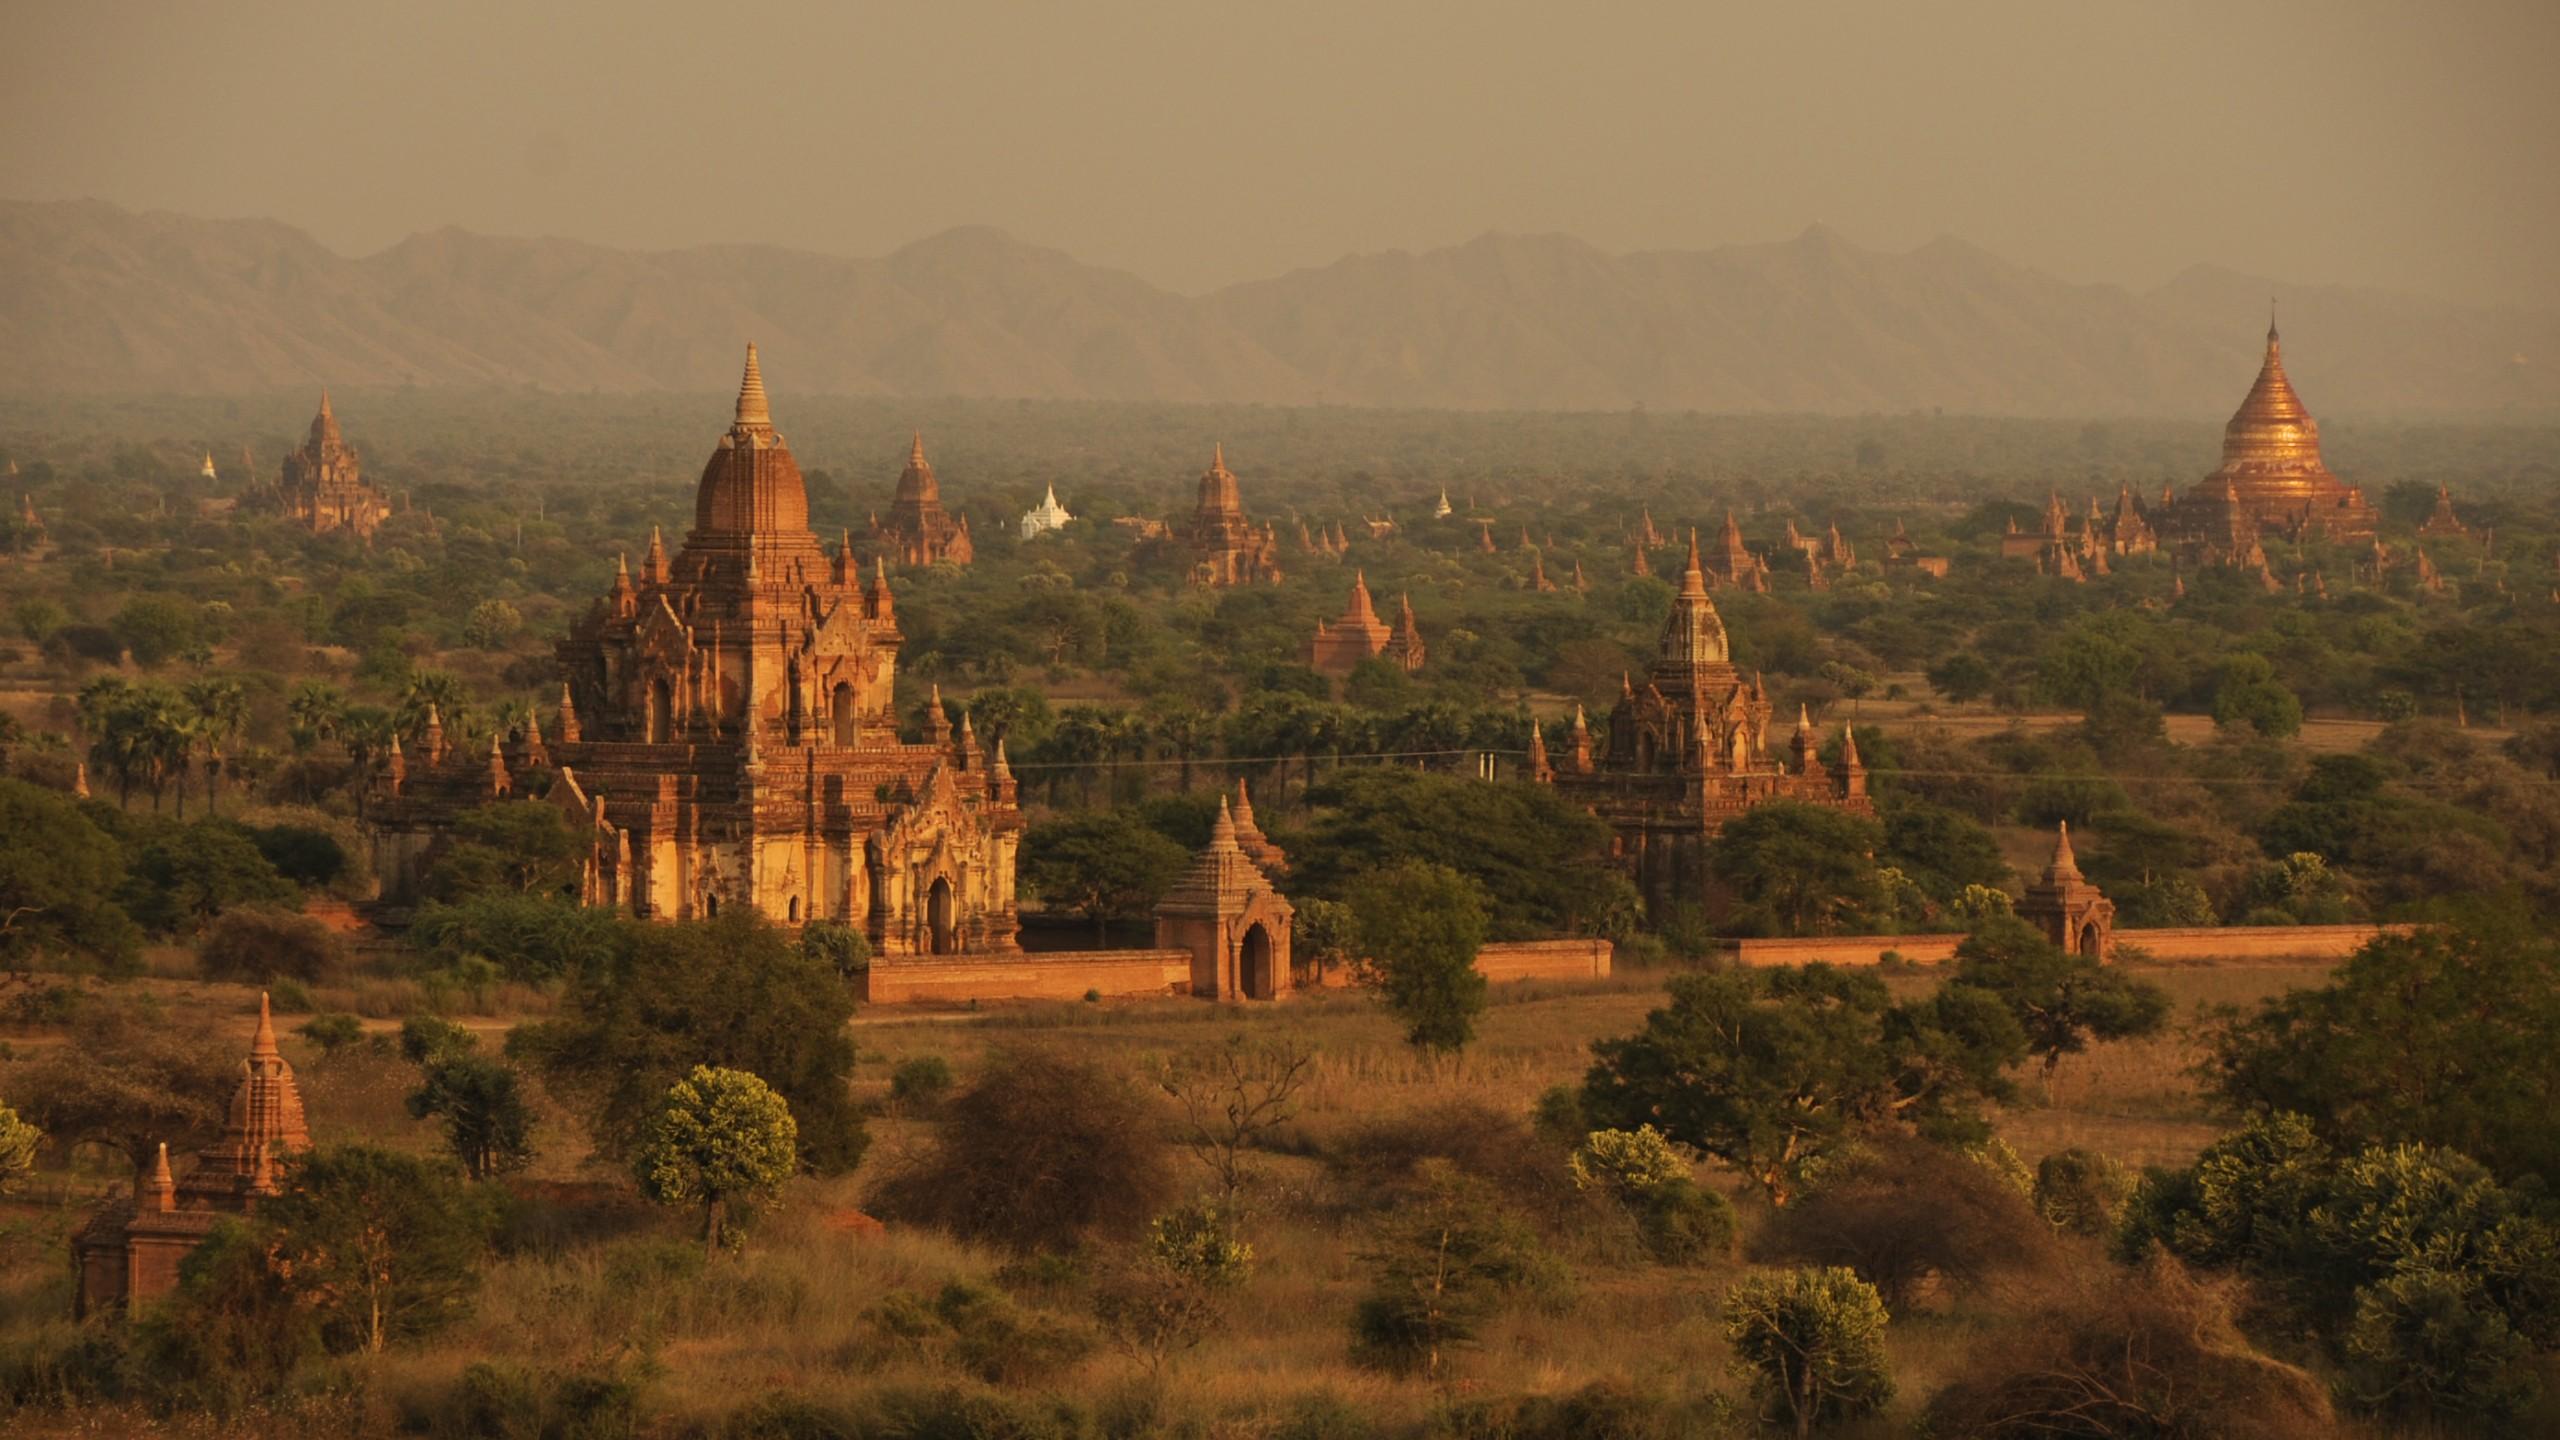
(129, 1251)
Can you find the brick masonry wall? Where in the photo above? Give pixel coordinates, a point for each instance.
(1062, 975)
(1545, 960)
(2232, 942)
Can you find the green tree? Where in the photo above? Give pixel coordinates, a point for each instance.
(1811, 1342)
(1439, 1267)
(153, 628)
(1798, 869)
(381, 1246)
(1420, 927)
(491, 624)
(518, 847)
(487, 1123)
(1323, 936)
(18, 1141)
(1105, 865)
(128, 1079)
(533, 939)
(721, 1137)
(2448, 1035)
(181, 878)
(2062, 999)
(58, 876)
(734, 993)
(1942, 851)
(2247, 694)
(1765, 1070)
(1542, 864)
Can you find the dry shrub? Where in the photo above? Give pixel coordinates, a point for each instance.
(1378, 1164)
(1902, 1212)
(256, 946)
(1043, 1152)
(2149, 1354)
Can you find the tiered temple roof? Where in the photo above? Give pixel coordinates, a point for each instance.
(323, 486)
(2273, 472)
(919, 532)
(1226, 548)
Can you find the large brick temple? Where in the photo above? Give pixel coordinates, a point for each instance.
(322, 486)
(919, 532)
(1688, 750)
(727, 732)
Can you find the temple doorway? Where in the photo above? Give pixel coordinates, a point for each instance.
(2089, 944)
(662, 712)
(840, 713)
(1253, 964)
(942, 935)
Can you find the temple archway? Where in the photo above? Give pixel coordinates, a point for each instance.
(1253, 964)
(941, 920)
(662, 712)
(840, 711)
(2090, 942)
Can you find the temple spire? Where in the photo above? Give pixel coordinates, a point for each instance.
(753, 411)
(915, 451)
(263, 1044)
(2065, 866)
(164, 1185)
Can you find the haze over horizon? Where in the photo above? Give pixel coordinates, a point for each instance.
(1196, 147)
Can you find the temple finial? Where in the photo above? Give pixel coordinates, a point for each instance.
(753, 411)
(915, 451)
(264, 1042)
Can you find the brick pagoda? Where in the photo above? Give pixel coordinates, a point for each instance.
(323, 486)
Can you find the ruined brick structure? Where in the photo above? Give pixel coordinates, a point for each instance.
(1225, 547)
(919, 532)
(1339, 645)
(323, 486)
(1688, 751)
(727, 734)
(129, 1250)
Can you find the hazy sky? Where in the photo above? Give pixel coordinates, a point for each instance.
(1195, 143)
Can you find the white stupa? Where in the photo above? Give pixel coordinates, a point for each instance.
(1046, 516)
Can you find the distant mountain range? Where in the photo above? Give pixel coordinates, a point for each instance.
(96, 299)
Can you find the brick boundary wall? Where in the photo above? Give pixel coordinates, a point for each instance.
(1123, 974)
(1054, 975)
(2227, 942)
(1508, 960)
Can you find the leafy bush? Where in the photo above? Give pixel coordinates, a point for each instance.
(920, 1083)
(978, 1331)
(304, 854)
(2081, 1191)
(331, 1032)
(1042, 1152)
(1679, 1221)
(1901, 1212)
(2131, 1356)
(1379, 1164)
(844, 949)
(1811, 1342)
(1439, 1266)
(259, 946)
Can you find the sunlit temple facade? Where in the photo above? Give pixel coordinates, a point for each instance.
(727, 735)
(2272, 479)
(1687, 751)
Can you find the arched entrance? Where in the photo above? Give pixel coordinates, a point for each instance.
(2089, 942)
(840, 711)
(1253, 964)
(941, 920)
(662, 712)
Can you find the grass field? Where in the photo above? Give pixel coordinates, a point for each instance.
(600, 1284)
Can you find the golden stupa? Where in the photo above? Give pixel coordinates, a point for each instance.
(2271, 466)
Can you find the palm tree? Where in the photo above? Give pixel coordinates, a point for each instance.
(317, 710)
(440, 690)
(219, 712)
